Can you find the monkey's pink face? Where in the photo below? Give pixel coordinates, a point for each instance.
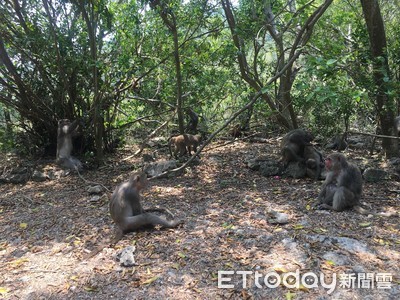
(328, 163)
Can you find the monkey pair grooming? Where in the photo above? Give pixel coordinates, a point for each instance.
(342, 188)
(126, 210)
(293, 144)
(184, 143)
(296, 147)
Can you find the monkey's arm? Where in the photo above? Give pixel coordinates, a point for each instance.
(73, 126)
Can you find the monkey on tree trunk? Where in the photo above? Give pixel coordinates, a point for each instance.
(191, 126)
(184, 143)
(293, 144)
(65, 131)
(126, 210)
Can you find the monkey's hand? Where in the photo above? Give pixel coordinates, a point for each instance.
(324, 206)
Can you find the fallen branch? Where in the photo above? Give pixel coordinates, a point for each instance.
(375, 135)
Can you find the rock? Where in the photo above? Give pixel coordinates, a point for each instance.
(278, 218)
(17, 176)
(158, 168)
(39, 176)
(375, 175)
(338, 259)
(266, 165)
(97, 189)
(126, 257)
(296, 170)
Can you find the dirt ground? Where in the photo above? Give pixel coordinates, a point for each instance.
(46, 228)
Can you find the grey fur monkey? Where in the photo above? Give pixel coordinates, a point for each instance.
(293, 144)
(65, 131)
(343, 184)
(342, 188)
(126, 210)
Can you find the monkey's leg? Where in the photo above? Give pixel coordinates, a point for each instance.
(136, 222)
(343, 198)
(325, 197)
(161, 210)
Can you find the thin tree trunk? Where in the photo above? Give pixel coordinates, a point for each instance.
(385, 106)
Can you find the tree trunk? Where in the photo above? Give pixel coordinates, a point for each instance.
(98, 120)
(385, 106)
(179, 104)
(168, 17)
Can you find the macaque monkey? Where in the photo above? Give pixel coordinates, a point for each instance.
(343, 187)
(343, 184)
(236, 131)
(338, 143)
(293, 144)
(126, 210)
(65, 131)
(314, 162)
(191, 127)
(183, 143)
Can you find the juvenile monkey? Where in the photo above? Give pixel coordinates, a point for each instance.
(236, 131)
(126, 210)
(293, 144)
(314, 162)
(65, 131)
(183, 143)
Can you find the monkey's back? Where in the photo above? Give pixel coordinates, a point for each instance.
(352, 179)
(125, 201)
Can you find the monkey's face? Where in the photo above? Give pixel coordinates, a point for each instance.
(63, 122)
(328, 163)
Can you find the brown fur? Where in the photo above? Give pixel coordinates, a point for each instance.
(184, 143)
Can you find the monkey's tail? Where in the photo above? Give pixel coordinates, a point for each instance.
(90, 182)
(364, 211)
(169, 146)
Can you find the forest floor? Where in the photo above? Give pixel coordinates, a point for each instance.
(47, 228)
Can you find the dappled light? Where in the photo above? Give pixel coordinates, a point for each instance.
(227, 211)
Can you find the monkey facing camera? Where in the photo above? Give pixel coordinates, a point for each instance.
(343, 184)
(65, 131)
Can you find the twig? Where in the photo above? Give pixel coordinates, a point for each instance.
(231, 142)
(90, 182)
(375, 135)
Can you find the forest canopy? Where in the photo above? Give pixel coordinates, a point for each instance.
(127, 68)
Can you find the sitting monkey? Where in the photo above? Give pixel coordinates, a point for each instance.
(65, 131)
(293, 144)
(126, 210)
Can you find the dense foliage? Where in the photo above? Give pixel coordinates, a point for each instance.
(129, 66)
